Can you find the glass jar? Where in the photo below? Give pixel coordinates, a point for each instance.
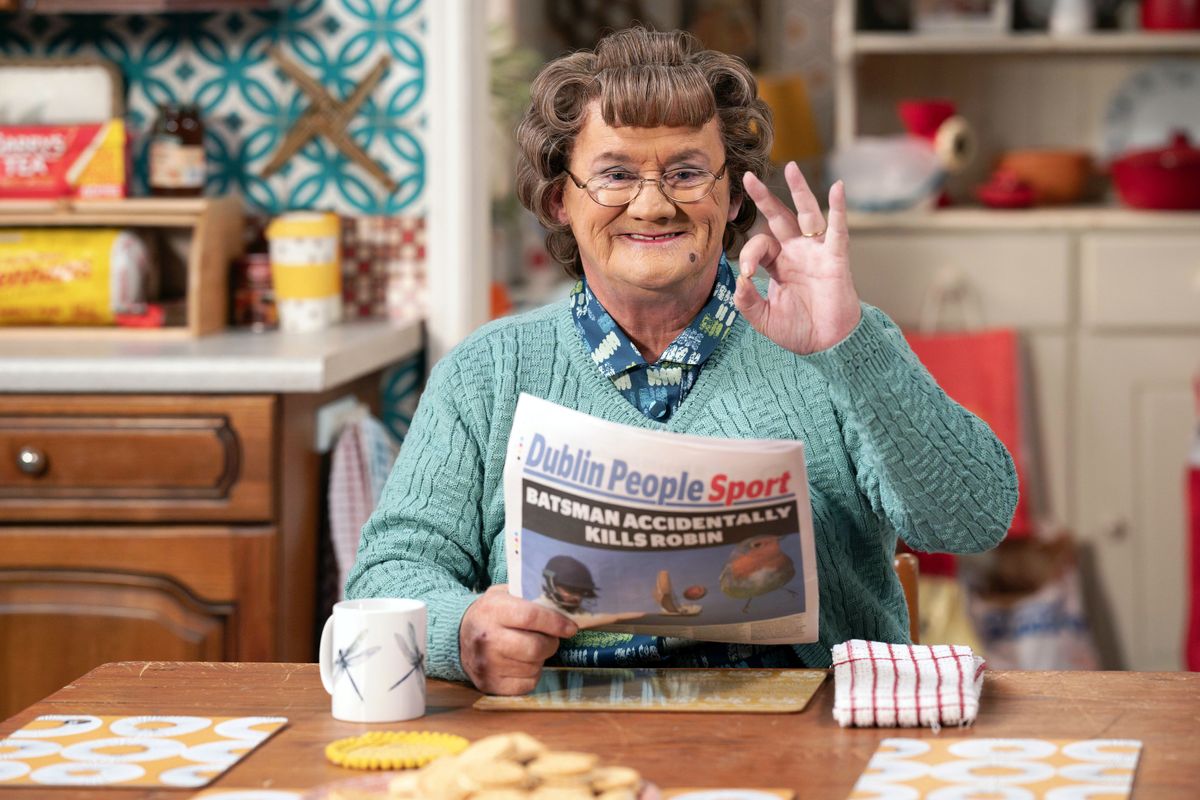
(177, 164)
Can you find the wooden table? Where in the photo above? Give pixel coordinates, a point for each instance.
(807, 752)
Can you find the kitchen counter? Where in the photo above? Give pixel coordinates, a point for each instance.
(231, 361)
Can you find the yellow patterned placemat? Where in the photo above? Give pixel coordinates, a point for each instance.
(170, 751)
(753, 691)
(1000, 767)
(667, 794)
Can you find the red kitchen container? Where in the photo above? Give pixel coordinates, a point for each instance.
(923, 117)
(1167, 178)
(1170, 15)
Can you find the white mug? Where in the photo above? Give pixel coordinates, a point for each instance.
(373, 659)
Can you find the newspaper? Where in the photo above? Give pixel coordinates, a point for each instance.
(651, 532)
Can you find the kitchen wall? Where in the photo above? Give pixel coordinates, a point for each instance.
(220, 61)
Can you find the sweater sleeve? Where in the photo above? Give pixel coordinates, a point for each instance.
(424, 540)
(933, 471)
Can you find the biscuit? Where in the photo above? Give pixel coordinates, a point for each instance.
(489, 748)
(481, 775)
(500, 794)
(606, 779)
(561, 763)
(525, 747)
(580, 792)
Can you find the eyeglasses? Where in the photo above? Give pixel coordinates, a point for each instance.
(620, 187)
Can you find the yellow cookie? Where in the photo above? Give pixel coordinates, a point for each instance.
(605, 779)
(480, 775)
(561, 763)
(500, 794)
(489, 748)
(525, 747)
(439, 781)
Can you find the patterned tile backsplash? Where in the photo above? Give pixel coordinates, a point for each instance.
(220, 61)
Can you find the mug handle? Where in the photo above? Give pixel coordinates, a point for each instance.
(325, 655)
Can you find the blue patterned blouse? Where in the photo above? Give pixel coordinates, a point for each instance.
(657, 390)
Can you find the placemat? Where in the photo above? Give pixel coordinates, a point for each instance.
(752, 691)
(379, 782)
(1008, 767)
(165, 751)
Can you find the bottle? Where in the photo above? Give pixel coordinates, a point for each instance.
(177, 165)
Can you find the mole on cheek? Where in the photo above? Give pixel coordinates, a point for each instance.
(692, 257)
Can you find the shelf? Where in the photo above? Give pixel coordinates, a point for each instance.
(1057, 219)
(1016, 43)
(143, 212)
(214, 225)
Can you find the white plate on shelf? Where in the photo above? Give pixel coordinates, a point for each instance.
(1150, 106)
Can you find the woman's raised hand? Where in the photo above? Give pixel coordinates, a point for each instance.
(811, 304)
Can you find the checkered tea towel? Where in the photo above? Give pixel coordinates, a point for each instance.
(877, 684)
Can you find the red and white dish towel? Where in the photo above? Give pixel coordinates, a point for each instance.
(877, 684)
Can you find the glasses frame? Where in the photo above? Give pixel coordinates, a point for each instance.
(716, 176)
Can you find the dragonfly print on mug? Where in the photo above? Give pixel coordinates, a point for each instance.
(372, 659)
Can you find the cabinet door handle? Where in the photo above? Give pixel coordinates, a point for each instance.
(32, 461)
(1118, 530)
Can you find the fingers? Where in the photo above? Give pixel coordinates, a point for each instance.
(504, 640)
(750, 303)
(808, 210)
(760, 250)
(838, 232)
(780, 219)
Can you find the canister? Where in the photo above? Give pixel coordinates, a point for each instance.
(306, 270)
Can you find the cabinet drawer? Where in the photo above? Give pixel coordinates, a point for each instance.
(1018, 280)
(136, 458)
(1141, 281)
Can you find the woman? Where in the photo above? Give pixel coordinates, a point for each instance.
(642, 158)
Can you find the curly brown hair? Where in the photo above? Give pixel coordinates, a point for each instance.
(644, 79)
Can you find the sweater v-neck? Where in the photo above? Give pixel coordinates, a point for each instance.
(616, 407)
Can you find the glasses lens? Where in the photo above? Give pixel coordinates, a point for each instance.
(613, 188)
(688, 185)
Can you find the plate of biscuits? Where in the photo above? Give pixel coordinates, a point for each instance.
(505, 766)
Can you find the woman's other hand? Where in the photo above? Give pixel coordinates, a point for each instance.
(811, 304)
(503, 641)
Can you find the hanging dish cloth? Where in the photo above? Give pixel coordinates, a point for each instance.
(362, 459)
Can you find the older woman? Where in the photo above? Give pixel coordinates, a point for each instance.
(642, 158)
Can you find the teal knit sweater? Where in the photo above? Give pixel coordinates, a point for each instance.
(888, 454)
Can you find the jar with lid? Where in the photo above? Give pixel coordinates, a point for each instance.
(177, 165)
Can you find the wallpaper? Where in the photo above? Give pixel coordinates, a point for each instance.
(220, 61)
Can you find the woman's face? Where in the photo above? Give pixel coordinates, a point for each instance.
(650, 245)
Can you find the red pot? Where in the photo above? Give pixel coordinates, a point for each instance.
(1167, 178)
(924, 117)
(1170, 15)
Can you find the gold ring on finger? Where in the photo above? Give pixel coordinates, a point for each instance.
(813, 235)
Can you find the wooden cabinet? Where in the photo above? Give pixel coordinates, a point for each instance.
(103, 552)
(159, 527)
(1110, 322)
(143, 458)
